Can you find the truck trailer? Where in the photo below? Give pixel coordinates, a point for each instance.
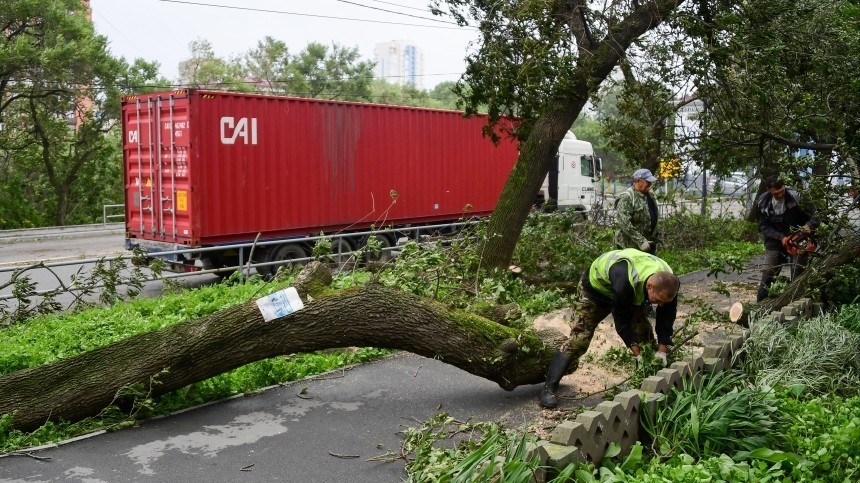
(213, 169)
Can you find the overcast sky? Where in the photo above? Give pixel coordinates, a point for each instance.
(160, 30)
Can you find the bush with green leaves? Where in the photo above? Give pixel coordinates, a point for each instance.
(757, 466)
(557, 247)
(842, 285)
(448, 270)
(825, 433)
(819, 354)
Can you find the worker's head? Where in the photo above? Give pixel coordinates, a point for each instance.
(662, 287)
(775, 186)
(642, 180)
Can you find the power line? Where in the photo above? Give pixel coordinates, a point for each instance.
(401, 6)
(281, 12)
(396, 13)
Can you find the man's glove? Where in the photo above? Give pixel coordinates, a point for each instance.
(785, 242)
(662, 357)
(645, 246)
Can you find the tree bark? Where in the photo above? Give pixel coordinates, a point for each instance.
(171, 358)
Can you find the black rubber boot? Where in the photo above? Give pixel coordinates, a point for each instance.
(557, 368)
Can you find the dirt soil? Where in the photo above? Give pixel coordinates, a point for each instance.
(700, 308)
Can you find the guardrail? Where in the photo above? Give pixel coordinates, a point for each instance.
(244, 249)
(106, 217)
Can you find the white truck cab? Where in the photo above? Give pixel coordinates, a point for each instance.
(572, 185)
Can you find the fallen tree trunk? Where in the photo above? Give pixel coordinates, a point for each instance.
(171, 358)
(817, 273)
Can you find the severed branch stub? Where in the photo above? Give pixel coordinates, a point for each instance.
(738, 315)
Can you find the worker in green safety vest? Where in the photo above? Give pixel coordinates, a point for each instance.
(623, 283)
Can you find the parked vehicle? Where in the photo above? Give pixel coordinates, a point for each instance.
(573, 183)
(216, 169)
(736, 185)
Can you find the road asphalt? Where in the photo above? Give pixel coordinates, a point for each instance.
(326, 433)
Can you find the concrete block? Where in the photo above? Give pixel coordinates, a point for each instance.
(672, 377)
(727, 349)
(560, 455)
(593, 421)
(631, 401)
(791, 321)
(713, 350)
(697, 363)
(655, 384)
(790, 310)
(737, 343)
(628, 438)
(683, 368)
(537, 449)
(629, 398)
(713, 365)
(570, 433)
(805, 307)
(594, 441)
(614, 417)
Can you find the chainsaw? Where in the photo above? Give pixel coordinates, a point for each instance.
(802, 244)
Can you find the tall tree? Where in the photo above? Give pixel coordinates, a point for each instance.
(332, 73)
(204, 69)
(541, 61)
(317, 71)
(774, 77)
(778, 77)
(269, 65)
(59, 90)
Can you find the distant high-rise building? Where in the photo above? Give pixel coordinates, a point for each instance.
(400, 62)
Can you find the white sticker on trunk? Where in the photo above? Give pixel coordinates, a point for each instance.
(280, 304)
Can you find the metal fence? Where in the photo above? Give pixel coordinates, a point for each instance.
(113, 216)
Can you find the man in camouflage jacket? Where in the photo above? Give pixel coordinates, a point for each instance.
(636, 215)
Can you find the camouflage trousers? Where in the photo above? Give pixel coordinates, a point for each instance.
(587, 314)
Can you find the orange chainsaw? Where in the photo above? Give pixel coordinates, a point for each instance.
(802, 243)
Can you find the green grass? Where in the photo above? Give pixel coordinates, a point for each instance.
(47, 339)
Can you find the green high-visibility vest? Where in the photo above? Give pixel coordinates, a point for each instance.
(640, 266)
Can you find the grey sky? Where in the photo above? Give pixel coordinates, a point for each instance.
(160, 30)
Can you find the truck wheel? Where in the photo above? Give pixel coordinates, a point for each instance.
(383, 256)
(340, 250)
(283, 253)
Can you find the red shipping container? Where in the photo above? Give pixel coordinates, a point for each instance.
(207, 168)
